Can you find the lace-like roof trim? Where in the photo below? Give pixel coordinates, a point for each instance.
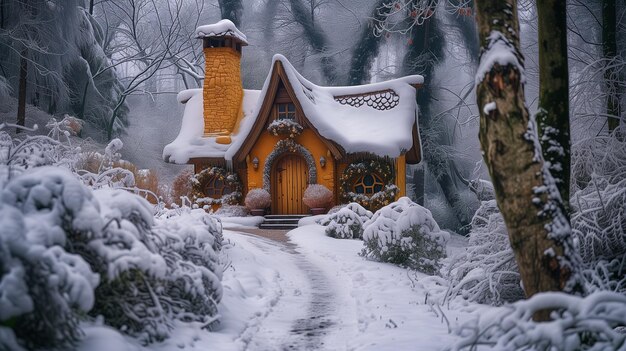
(380, 100)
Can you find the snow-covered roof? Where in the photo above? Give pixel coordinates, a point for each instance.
(190, 142)
(377, 118)
(223, 28)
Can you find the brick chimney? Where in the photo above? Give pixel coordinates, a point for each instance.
(222, 91)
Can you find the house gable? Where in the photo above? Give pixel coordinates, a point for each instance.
(279, 79)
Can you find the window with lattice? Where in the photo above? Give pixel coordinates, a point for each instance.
(368, 184)
(286, 111)
(216, 188)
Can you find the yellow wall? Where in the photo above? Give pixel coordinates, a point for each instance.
(222, 92)
(265, 145)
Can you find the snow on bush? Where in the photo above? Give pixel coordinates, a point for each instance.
(590, 323)
(43, 288)
(599, 210)
(232, 211)
(56, 233)
(154, 271)
(346, 222)
(486, 272)
(317, 196)
(258, 199)
(406, 234)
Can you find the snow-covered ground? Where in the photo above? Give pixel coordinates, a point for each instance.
(314, 292)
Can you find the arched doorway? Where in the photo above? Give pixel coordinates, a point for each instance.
(289, 179)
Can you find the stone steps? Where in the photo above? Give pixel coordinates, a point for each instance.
(283, 222)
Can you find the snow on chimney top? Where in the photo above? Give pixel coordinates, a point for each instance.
(221, 29)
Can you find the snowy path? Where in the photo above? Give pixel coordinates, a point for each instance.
(307, 314)
(316, 293)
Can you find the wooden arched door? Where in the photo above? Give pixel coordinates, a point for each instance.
(289, 180)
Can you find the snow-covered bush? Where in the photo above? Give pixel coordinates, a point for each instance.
(317, 196)
(599, 210)
(43, 288)
(56, 233)
(181, 187)
(232, 211)
(258, 198)
(589, 323)
(154, 271)
(406, 234)
(486, 272)
(346, 222)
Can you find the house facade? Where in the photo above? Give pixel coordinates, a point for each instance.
(356, 141)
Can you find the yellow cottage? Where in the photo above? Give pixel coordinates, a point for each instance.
(356, 141)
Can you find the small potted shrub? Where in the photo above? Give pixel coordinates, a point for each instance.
(257, 200)
(317, 197)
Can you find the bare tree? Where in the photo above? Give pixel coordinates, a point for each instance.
(527, 196)
(143, 42)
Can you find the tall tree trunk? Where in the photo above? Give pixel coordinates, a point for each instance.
(425, 52)
(539, 232)
(366, 49)
(232, 10)
(553, 116)
(609, 50)
(316, 38)
(21, 100)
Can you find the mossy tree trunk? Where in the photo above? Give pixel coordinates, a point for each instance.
(609, 50)
(553, 116)
(540, 235)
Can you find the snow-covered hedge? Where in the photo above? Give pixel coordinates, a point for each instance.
(599, 210)
(347, 222)
(258, 199)
(43, 288)
(317, 196)
(590, 323)
(406, 234)
(67, 250)
(154, 271)
(486, 272)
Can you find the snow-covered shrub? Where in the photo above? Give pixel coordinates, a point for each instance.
(181, 187)
(486, 272)
(589, 323)
(406, 234)
(317, 196)
(345, 223)
(599, 211)
(232, 211)
(43, 288)
(153, 271)
(98, 170)
(18, 155)
(258, 198)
